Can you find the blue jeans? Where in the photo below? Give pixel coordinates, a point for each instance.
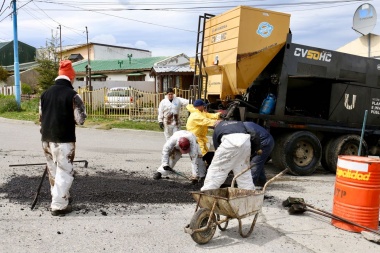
(258, 173)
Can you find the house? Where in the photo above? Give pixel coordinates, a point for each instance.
(366, 46)
(173, 72)
(153, 74)
(98, 51)
(130, 71)
(26, 53)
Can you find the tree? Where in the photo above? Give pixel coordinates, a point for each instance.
(47, 60)
(3, 74)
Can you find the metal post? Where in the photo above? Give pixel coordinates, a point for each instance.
(16, 61)
(60, 40)
(369, 45)
(362, 135)
(88, 63)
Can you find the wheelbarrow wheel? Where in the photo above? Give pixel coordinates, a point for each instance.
(199, 220)
(225, 225)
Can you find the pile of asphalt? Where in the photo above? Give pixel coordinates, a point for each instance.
(102, 189)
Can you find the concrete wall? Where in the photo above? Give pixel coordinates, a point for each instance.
(360, 46)
(99, 52)
(110, 53)
(123, 76)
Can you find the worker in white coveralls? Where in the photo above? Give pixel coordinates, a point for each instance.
(233, 151)
(60, 109)
(169, 113)
(181, 142)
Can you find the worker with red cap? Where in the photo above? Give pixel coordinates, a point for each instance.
(60, 109)
(181, 142)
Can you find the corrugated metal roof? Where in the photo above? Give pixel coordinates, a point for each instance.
(22, 66)
(177, 69)
(121, 64)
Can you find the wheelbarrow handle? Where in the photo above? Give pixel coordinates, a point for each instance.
(241, 173)
(275, 178)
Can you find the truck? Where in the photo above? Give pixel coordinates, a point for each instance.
(317, 103)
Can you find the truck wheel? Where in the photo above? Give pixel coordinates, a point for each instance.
(299, 151)
(344, 145)
(325, 150)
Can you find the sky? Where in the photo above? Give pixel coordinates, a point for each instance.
(168, 27)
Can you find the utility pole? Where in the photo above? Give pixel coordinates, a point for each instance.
(60, 40)
(88, 64)
(16, 62)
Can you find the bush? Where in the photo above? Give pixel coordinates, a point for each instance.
(8, 104)
(31, 105)
(26, 89)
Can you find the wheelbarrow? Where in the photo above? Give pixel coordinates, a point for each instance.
(230, 202)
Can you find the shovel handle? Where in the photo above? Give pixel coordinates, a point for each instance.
(338, 218)
(39, 188)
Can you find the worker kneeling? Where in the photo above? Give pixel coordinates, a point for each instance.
(233, 150)
(181, 142)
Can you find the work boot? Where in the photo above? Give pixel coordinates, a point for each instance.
(157, 175)
(62, 212)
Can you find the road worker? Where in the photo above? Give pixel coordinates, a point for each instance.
(169, 113)
(60, 109)
(234, 147)
(258, 161)
(199, 121)
(181, 142)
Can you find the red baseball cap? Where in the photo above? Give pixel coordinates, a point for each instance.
(184, 145)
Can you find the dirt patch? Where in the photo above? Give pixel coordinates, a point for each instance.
(104, 188)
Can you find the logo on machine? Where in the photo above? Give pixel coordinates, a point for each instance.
(313, 54)
(264, 29)
(347, 99)
(218, 37)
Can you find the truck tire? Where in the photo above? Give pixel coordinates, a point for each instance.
(344, 145)
(299, 151)
(325, 150)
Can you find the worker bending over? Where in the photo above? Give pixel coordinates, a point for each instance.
(257, 162)
(234, 147)
(181, 142)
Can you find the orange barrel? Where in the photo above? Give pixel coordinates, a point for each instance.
(357, 192)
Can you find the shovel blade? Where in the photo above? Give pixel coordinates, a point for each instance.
(290, 201)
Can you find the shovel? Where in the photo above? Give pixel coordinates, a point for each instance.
(298, 206)
(179, 173)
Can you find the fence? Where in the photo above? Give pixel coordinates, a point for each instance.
(132, 105)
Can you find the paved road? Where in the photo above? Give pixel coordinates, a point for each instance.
(158, 228)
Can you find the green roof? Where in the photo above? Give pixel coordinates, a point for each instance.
(121, 64)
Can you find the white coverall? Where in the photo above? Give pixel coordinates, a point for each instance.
(59, 157)
(169, 114)
(171, 154)
(232, 154)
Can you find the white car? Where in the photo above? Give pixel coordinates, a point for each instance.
(119, 98)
